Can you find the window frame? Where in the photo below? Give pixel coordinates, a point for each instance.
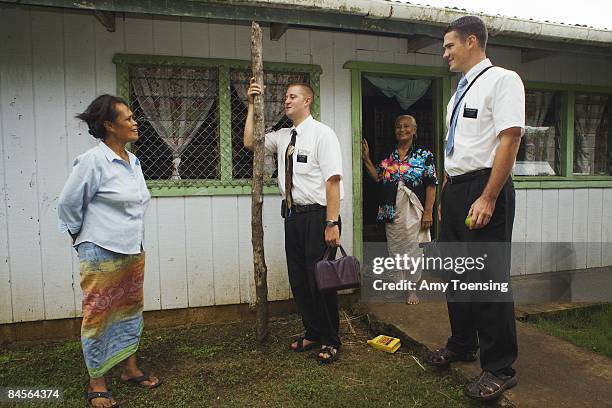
(567, 178)
(226, 185)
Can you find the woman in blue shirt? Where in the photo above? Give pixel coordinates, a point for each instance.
(408, 178)
(102, 207)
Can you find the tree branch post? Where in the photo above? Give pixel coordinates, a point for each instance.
(259, 261)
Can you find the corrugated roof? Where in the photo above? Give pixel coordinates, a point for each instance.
(463, 10)
(440, 16)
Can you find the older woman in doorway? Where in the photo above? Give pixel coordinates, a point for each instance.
(102, 207)
(408, 178)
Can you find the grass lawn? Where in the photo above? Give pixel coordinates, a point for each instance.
(588, 327)
(221, 365)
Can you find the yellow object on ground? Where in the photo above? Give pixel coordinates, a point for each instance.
(385, 343)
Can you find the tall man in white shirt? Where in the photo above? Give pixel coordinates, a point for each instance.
(310, 180)
(485, 119)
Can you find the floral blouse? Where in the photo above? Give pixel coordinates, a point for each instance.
(417, 170)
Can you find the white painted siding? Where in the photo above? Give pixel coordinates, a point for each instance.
(199, 248)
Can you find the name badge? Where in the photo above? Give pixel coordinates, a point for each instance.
(470, 113)
(302, 156)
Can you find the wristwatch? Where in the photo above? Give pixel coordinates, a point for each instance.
(331, 223)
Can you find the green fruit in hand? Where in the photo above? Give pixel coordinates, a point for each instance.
(468, 221)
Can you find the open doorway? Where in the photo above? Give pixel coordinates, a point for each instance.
(383, 99)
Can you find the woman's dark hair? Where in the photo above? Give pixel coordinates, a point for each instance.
(101, 110)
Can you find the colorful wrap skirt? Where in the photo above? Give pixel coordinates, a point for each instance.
(112, 306)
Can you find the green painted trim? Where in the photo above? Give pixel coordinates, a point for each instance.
(226, 185)
(225, 125)
(123, 80)
(442, 91)
(211, 62)
(158, 190)
(568, 141)
(357, 164)
(562, 184)
(397, 69)
(442, 87)
(556, 86)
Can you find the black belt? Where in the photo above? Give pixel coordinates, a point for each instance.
(462, 178)
(299, 209)
(306, 208)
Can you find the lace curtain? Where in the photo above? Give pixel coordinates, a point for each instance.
(176, 101)
(274, 94)
(588, 116)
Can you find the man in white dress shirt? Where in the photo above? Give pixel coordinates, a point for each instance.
(310, 181)
(485, 119)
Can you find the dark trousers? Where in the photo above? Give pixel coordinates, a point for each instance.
(304, 246)
(490, 324)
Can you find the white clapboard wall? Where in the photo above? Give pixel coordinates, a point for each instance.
(54, 62)
(561, 229)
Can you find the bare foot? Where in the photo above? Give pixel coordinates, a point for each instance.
(413, 299)
(99, 385)
(131, 370)
(305, 344)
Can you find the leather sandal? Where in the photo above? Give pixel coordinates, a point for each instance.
(332, 354)
(488, 386)
(91, 395)
(300, 347)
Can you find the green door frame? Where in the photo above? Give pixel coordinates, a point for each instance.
(442, 93)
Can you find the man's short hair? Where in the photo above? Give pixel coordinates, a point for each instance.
(470, 25)
(304, 86)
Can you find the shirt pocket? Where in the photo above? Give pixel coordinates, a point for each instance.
(469, 126)
(303, 160)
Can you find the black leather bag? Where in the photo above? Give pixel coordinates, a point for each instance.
(337, 274)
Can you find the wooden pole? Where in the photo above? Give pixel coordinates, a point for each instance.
(259, 261)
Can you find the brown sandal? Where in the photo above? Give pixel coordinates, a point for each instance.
(443, 357)
(488, 386)
(92, 395)
(330, 354)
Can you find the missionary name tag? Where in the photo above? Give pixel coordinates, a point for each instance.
(470, 113)
(302, 156)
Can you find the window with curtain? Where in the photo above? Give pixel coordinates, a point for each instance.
(540, 150)
(592, 134)
(176, 108)
(276, 87)
(191, 115)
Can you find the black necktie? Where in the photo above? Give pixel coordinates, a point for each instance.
(289, 170)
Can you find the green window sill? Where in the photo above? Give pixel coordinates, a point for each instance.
(536, 182)
(169, 188)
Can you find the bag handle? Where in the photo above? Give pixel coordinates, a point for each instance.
(327, 253)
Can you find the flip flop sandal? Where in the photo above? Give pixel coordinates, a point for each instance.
(443, 357)
(301, 347)
(332, 352)
(139, 380)
(488, 386)
(91, 395)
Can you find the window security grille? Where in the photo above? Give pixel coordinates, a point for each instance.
(191, 125)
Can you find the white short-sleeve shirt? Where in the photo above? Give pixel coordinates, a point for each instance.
(494, 103)
(317, 157)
